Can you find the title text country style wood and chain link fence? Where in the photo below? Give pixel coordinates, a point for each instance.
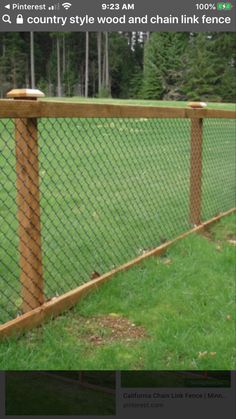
(89, 190)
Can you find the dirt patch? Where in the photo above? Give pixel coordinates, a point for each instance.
(207, 234)
(107, 329)
(232, 241)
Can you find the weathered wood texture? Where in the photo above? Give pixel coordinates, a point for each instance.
(28, 201)
(43, 109)
(58, 305)
(31, 94)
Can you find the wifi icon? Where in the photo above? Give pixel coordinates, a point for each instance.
(66, 5)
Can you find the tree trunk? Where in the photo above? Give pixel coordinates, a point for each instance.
(68, 72)
(3, 48)
(93, 68)
(63, 55)
(87, 64)
(104, 66)
(99, 40)
(107, 80)
(14, 82)
(28, 85)
(32, 68)
(58, 68)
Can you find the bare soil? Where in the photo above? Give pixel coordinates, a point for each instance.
(107, 329)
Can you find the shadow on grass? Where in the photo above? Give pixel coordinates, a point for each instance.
(33, 393)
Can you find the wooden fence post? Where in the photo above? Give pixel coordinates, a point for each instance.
(28, 201)
(196, 166)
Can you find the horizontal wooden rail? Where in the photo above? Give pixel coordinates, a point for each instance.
(43, 109)
(77, 382)
(57, 305)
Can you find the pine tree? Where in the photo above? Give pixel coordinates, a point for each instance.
(163, 59)
(154, 62)
(202, 77)
(225, 50)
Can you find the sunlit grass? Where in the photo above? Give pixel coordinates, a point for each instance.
(184, 301)
(163, 103)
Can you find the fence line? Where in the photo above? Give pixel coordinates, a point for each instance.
(81, 378)
(40, 109)
(35, 304)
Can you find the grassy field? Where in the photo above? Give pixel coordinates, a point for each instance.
(176, 312)
(162, 103)
(49, 396)
(110, 190)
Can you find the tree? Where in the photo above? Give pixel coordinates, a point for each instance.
(121, 64)
(32, 60)
(99, 52)
(87, 64)
(163, 65)
(173, 66)
(202, 77)
(59, 89)
(225, 50)
(106, 57)
(13, 62)
(154, 67)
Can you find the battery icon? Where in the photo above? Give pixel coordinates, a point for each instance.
(224, 6)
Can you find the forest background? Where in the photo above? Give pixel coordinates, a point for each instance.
(140, 65)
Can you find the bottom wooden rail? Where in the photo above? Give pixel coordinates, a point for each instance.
(85, 384)
(59, 304)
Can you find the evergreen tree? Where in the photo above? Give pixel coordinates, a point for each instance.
(172, 66)
(202, 76)
(225, 50)
(163, 58)
(122, 65)
(154, 64)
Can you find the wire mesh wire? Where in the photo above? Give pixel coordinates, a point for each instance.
(9, 267)
(111, 189)
(218, 172)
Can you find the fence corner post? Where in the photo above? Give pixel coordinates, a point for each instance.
(28, 202)
(195, 200)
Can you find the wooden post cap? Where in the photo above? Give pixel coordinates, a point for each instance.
(25, 94)
(197, 105)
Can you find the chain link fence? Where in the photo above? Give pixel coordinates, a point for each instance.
(82, 196)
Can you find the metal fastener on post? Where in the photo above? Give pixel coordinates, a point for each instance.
(28, 201)
(196, 166)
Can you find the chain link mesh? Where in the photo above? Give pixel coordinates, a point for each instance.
(219, 174)
(111, 189)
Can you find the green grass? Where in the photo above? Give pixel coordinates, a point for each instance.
(162, 103)
(49, 396)
(183, 301)
(110, 189)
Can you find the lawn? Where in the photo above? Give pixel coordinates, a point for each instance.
(162, 103)
(110, 191)
(50, 396)
(176, 312)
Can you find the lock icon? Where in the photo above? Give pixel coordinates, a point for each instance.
(19, 20)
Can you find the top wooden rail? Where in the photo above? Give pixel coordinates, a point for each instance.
(43, 109)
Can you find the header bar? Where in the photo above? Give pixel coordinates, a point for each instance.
(117, 15)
